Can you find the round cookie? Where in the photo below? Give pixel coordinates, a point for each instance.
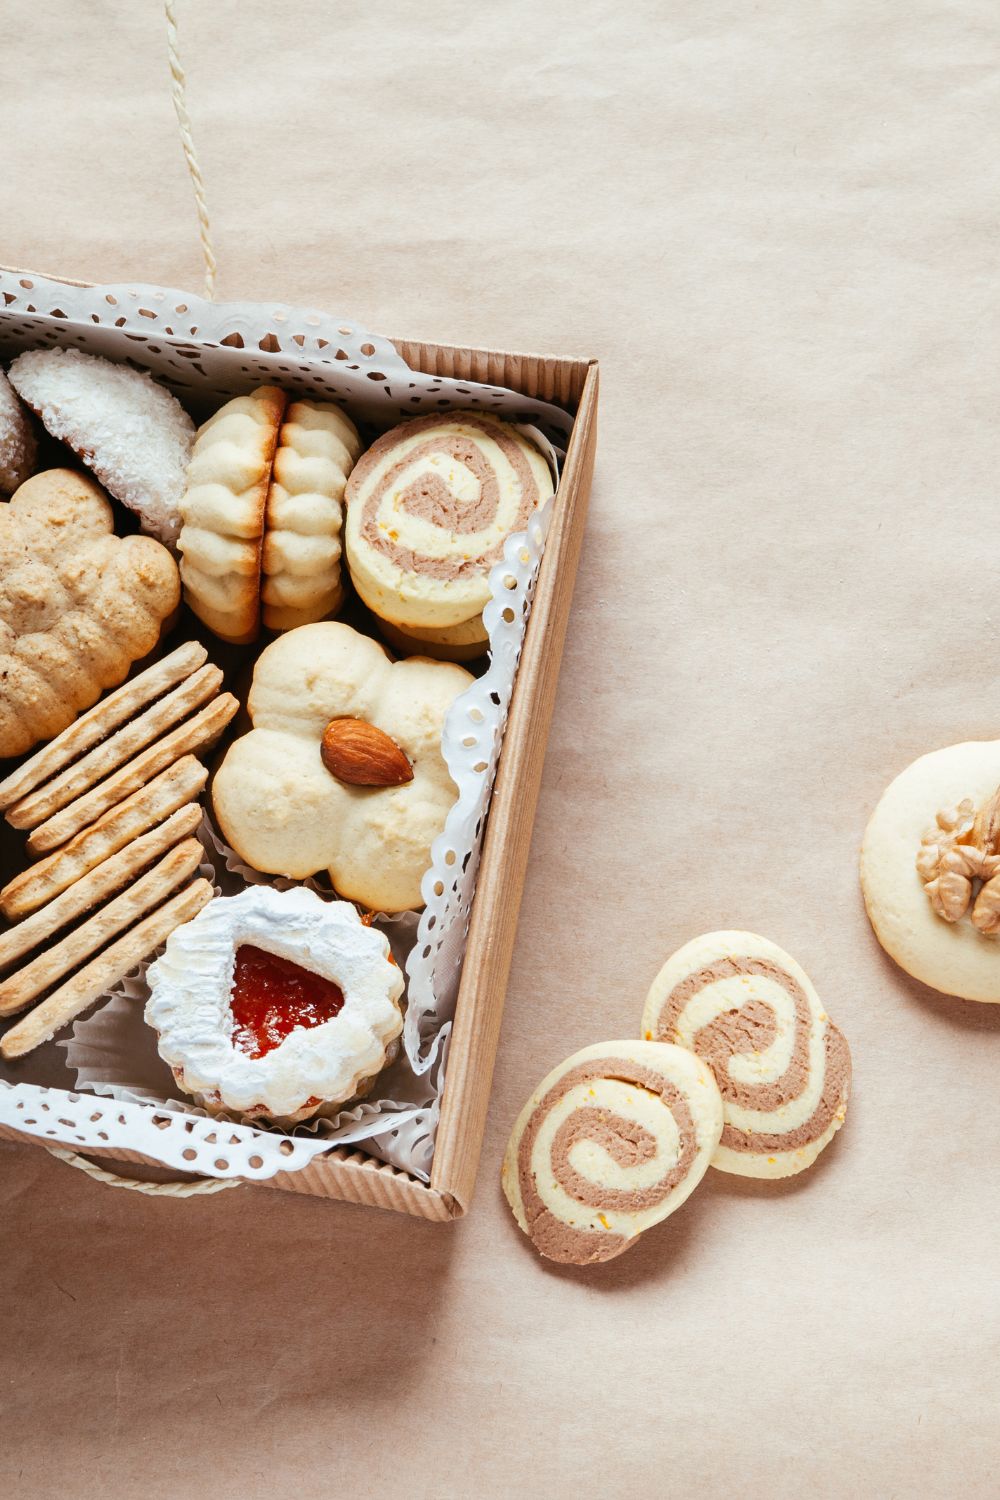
(18, 448)
(612, 1141)
(783, 1069)
(429, 507)
(464, 642)
(131, 432)
(951, 956)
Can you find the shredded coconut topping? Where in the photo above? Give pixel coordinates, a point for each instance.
(17, 441)
(131, 432)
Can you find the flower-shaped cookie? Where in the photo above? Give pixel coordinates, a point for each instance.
(343, 770)
(78, 605)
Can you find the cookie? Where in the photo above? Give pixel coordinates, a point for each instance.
(367, 814)
(318, 447)
(99, 723)
(151, 890)
(611, 1142)
(173, 789)
(112, 875)
(88, 984)
(223, 511)
(18, 448)
(196, 734)
(429, 507)
(246, 1028)
(748, 1010)
(130, 431)
(78, 605)
(930, 862)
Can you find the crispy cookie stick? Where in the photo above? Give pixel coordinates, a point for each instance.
(86, 986)
(103, 881)
(196, 734)
(98, 722)
(150, 890)
(174, 787)
(166, 714)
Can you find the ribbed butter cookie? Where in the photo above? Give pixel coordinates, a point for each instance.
(429, 507)
(223, 512)
(751, 1013)
(317, 448)
(611, 1142)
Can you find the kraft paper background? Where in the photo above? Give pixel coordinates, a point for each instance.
(776, 225)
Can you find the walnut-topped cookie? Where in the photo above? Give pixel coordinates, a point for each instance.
(930, 870)
(78, 605)
(343, 769)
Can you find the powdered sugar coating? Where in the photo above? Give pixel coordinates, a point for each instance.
(190, 987)
(17, 441)
(129, 430)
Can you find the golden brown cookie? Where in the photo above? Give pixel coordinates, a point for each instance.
(223, 512)
(78, 605)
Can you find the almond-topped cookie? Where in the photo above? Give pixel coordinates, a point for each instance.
(343, 769)
(275, 1004)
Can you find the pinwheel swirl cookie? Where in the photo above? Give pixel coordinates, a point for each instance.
(751, 1013)
(611, 1142)
(429, 508)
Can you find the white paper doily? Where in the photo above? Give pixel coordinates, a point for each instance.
(206, 351)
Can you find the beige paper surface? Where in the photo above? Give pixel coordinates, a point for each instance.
(776, 226)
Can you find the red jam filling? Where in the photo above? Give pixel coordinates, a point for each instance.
(272, 997)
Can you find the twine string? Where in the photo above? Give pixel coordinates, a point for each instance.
(178, 89)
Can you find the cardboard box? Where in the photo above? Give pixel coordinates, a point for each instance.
(346, 1172)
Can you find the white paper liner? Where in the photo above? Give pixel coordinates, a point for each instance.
(207, 351)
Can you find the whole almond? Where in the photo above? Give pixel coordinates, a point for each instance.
(362, 755)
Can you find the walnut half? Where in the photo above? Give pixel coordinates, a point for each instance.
(959, 863)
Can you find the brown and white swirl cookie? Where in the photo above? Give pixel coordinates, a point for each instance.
(783, 1069)
(429, 507)
(611, 1142)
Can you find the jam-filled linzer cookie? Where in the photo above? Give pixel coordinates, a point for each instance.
(343, 769)
(930, 870)
(275, 1005)
(611, 1142)
(429, 508)
(783, 1069)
